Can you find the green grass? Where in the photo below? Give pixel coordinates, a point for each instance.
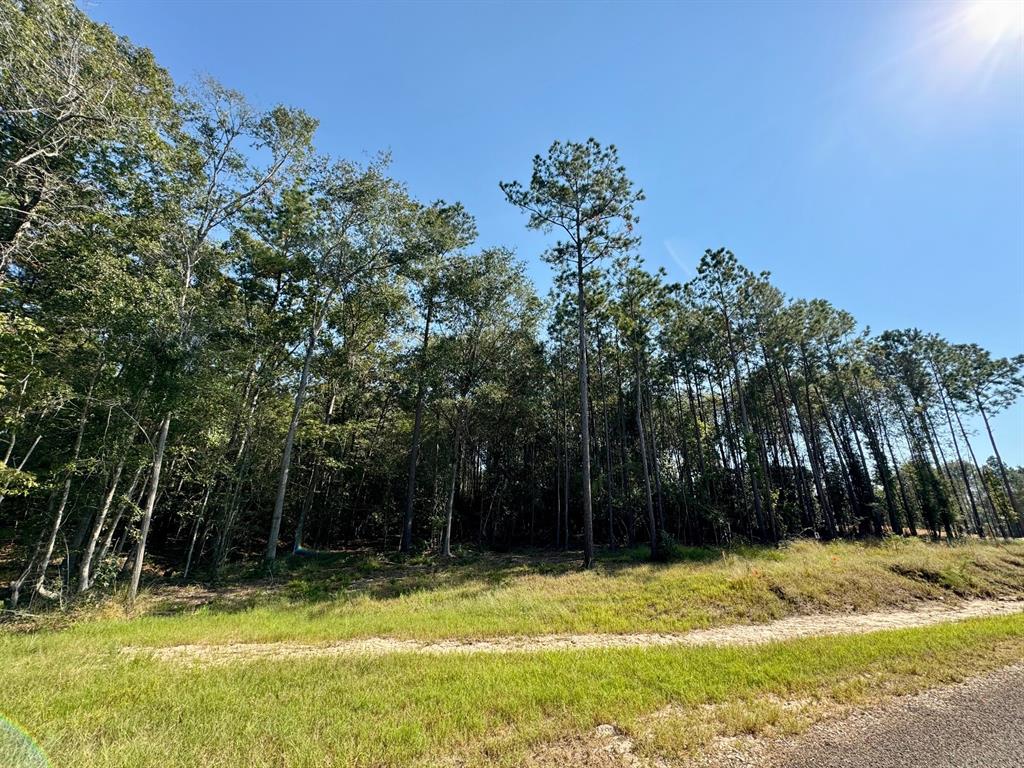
(347, 595)
(90, 706)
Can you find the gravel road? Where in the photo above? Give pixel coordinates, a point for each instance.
(977, 724)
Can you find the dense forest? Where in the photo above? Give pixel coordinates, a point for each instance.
(217, 342)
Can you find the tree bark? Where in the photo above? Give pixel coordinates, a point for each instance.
(994, 522)
(112, 528)
(195, 531)
(648, 500)
(747, 432)
(959, 457)
(449, 505)
(907, 509)
(588, 517)
(999, 461)
(58, 516)
(85, 565)
(289, 442)
(147, 513)
(307, 504)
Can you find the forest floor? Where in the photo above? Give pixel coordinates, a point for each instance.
(736, 646)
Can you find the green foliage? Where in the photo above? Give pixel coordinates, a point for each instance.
(307, 331)
(14, 482)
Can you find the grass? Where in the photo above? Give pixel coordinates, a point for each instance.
(357, 595)
(101, 710)
(91, 706)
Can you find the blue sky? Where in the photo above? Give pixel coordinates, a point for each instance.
(868, 153)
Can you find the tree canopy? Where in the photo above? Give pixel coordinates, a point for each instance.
(215, 340)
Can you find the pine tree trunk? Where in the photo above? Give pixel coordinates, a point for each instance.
(609, 469)
(696, 411)
(623, 463)
(876, 516)
(588, 517)
(994, 517)
(558, 491)
(655, 469)
(940, 388)
(814, 454)
(945, 464)
(935, 448)
(611, 480)
(786, 425)
(652, 525)
(999, 461)
(755, 489)
(684, 469)
(907, 509)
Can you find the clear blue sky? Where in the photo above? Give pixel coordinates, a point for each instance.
(868, 153)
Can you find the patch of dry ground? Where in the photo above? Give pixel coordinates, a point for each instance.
(746, 634)
(605, 747)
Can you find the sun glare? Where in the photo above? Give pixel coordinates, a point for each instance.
(995, 21)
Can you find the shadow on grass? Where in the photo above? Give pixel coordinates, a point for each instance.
(316, 579)
(335, 577)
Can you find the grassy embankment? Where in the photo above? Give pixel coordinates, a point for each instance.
(91, 705)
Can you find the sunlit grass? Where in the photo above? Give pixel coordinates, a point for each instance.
(340, 597)
(91, 705)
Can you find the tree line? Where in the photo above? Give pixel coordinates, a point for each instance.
(217, 341)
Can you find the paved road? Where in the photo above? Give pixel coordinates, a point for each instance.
(979, 724)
